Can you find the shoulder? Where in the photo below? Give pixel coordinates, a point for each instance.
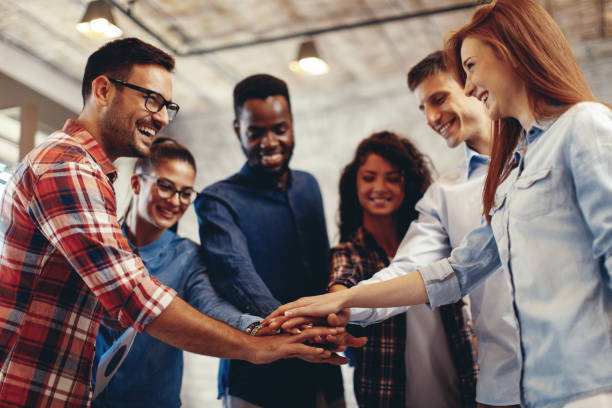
(343, 247)
(183, 244)
(446, 180)
(342, 254)
(587, 115)
(304, 178)
(585, 124)
(222, 192)
(59, 149)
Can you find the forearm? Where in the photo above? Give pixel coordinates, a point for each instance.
(182, 326)
(402, 291)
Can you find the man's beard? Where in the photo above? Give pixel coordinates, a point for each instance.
(118, 134)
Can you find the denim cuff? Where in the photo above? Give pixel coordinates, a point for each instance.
(441, 283)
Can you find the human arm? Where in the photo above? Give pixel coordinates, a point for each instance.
(200, 294)
(442, 282)
(73, 206)
(231, 268)
(589, 153)
(182, 326)
(425, 242)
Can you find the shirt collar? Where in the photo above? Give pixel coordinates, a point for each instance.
(263, 180)
(474, 160)
(155, 248)
(85, 139)
(528, 137)
(362, 238)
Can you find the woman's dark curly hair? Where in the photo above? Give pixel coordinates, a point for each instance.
(399, 151)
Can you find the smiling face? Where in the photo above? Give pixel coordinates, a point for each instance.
(127, 126)
(161, 213)
(265, 130)
(491, 80)
(453, 115)
(380, 187)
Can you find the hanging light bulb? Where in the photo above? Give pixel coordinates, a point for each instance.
(98, 21)
(308, 61)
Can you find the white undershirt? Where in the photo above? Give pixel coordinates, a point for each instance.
(431, 378)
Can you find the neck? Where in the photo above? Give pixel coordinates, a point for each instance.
(384, 231)
(91, 123)
(523, 109)
(481, 142)
(140, 232)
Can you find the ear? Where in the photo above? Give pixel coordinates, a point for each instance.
(236, 127)
(135, 183)
(102, 90)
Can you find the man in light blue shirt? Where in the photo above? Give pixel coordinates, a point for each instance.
(450, 209)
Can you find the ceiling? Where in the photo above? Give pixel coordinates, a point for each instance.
(364, 61)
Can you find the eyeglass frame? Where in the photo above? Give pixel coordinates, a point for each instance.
(175, 190)
(168, 104)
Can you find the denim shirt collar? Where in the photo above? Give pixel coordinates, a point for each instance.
(150, 252)
(263, 180)
(474, 160)
(531, 136)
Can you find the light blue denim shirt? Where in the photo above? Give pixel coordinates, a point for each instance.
(448, 211)
(551, 229)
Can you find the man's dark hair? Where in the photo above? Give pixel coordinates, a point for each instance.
(259, 86)
(116, 59)
(430, 65)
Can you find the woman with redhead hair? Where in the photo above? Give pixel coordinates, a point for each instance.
(546, 201)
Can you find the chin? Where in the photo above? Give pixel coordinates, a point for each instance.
(164, 223)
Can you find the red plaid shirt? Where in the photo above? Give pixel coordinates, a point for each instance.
(63, 260)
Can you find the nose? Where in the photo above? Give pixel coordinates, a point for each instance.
(469, 88)
(270, 140)
(379, 184)
(175, 199)
(432, 114)
(161, 118)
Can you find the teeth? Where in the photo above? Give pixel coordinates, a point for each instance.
(148, 131)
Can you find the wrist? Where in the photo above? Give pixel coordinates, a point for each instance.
(253, 328)
(346, 297)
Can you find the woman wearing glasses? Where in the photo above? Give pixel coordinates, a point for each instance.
(151, 374)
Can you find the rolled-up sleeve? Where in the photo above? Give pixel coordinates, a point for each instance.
(448, 280)
(74, 207)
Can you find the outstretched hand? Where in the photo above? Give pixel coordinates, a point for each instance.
(312, 306)
(271, 348)
(290, 324)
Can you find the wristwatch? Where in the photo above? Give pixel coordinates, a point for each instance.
(253, 328)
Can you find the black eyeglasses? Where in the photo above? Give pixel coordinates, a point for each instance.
(154, 102)
(166, 190)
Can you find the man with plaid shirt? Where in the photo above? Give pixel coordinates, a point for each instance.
(64, 262)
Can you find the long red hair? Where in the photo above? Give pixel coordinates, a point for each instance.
(526, 37)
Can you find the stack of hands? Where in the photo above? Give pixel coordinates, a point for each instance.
(322, 334)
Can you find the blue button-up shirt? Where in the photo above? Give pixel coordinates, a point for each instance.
(551, 230)
(266, 246)
(151, 374)
(448, 211)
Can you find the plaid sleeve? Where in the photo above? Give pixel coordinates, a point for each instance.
(74, 207)
(343, 268)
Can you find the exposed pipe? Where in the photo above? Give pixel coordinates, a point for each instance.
(200, 51)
